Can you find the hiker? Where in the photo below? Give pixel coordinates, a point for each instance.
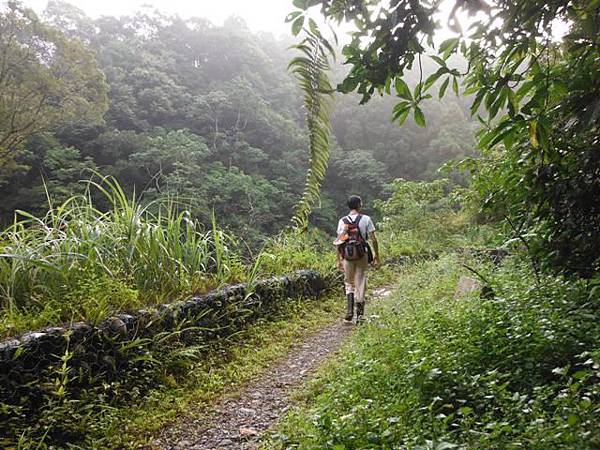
(354, 233)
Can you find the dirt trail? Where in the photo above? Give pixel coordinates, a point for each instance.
(237, 421)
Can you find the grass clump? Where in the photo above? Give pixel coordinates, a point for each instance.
(520, 370)
(79, 262)
(296, 250)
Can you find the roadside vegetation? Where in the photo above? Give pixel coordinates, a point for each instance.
(80, 263)
(183, 381)
(429, 371)
(83, 263)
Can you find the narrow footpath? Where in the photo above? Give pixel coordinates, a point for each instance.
(238, 420)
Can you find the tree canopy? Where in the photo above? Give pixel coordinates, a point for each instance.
(536, 97)
(46, 80)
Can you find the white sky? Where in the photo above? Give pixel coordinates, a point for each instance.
(260, 15)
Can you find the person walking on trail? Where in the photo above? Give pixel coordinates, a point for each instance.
(355, 232)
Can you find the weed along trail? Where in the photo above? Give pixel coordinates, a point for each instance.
(238, 419)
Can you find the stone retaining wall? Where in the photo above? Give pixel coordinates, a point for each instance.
(29, 362)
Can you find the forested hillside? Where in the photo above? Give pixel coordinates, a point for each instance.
(208, 116)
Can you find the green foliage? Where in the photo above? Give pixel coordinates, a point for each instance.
(422, 217)
(536, 97)
(311, 70)
(46, 80)
(115, 392)
(430, 371)
(296, 250)
(63, 263)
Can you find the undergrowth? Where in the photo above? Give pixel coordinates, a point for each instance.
(429, 217)
(201, 376)
(518, 370)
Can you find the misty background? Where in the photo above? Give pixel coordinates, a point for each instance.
(202, 110)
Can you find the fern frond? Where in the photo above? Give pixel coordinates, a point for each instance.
(311, 70)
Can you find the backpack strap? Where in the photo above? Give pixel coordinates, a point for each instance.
(357, 222)
(348, 221)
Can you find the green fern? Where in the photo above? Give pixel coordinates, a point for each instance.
(311, 69)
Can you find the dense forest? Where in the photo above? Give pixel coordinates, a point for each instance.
(208, 116)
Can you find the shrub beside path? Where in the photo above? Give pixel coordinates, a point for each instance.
(237, 421)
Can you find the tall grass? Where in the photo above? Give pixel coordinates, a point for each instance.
(81, 262)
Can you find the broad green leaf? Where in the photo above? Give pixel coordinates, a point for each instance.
(501, 137)
(401, 116)
(438, 60)
(448, 46)
(300, 4)
(499, 102)
(486, 138)
(419, 117)
(417, 91)
(431, 79)
(400, 107)
(477, 102)
(471, 90)
(533, 134)
(291, 16)
(388, 85)
(402, 89)
(297, 25)
(443, 87)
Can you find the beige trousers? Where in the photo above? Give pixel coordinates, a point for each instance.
(355, 278)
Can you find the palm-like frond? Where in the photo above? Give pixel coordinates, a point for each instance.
(311, 69)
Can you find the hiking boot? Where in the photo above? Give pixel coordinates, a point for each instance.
(350, 312)
(360, 312)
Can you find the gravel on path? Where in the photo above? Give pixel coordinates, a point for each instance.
(238, 421)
